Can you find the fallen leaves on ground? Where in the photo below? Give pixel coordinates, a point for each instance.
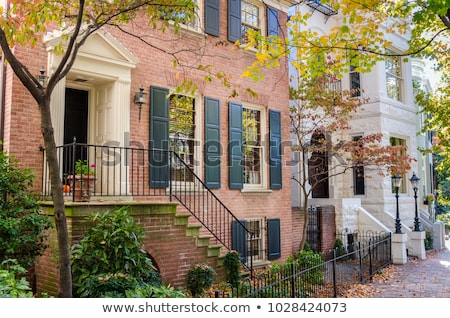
(368, 290)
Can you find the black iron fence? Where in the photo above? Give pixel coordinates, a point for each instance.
(139, 174)
(318, 275)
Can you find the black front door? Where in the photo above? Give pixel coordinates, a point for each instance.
(75, 126)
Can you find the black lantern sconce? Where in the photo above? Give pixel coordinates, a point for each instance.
(42, 78)
(415, 185)
(396, 182)
(139, 99)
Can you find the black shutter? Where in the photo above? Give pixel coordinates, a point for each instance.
(234, 20)
(235, 146)
(275, 149)
(212, 143)
(239, 239)
(273, 239)
(159, 138)
(212, 14)
(272, 22)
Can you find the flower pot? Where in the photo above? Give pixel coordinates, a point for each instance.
(82, 186)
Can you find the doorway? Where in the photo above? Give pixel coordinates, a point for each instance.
(76, 116)
(75, 126)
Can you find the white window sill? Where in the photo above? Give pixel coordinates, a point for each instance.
(256, 191)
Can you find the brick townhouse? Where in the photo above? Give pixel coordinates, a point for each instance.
(232, 141)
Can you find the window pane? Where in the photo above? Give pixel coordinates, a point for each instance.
(251, 123)
(255, 242)
(182, 135)
(394, 77)
(249, 19)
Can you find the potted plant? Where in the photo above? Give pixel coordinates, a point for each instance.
(83, 180)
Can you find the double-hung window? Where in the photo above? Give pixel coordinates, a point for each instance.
(250, 19)
(250, 15)
(394, 77)
(247, 150)
(181, 16)
(252, 147)
(395, 141)
(355, 82)
(182, 134)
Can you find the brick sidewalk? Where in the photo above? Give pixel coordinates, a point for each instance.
(429, 278)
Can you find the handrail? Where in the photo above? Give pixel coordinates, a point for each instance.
(202, 204)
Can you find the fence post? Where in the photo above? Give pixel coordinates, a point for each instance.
(292, 280)
(170, 174)
(360, 262)
(370, 259)
(334, 275)
(74, 150)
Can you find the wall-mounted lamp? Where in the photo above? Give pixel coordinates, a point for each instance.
(139, 99)
(42, 78)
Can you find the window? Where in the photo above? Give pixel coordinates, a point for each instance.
(251, 124)
(254, 245)
(250, 19)
(256, 242)
(358, 176)
(394, 77)
(182, 134)
(245, 15)
(355, 82)
(399, 142)
(181, 16)
(246, 151)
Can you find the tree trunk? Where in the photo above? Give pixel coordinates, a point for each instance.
(65, 274)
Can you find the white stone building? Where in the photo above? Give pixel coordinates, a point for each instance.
(369, 203)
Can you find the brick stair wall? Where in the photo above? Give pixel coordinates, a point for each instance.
(173, 239)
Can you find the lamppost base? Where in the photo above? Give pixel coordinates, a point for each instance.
(399, 248)
(418, 244)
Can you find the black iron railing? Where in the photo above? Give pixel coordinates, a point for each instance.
(318, 275)
(140, 174)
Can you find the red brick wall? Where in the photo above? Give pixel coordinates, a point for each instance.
(172, 250)
(328, 231)
(23, 135)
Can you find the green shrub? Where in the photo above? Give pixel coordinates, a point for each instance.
(149, 291)
(339, 247)
(304, 284)
(11, 284)
(232, 265)
(109, 259)
(428, 240)
(22, 226)
(199, 278)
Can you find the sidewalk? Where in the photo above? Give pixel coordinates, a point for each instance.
(429, 278)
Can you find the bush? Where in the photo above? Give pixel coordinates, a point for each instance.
(428, 242)
(199, 278)
(11, 286)
(22, 226)
(232, 265)
(155, 292)
(109, 260)
(339, 247)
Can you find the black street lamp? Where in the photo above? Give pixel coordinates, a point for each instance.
(397, 181)
(415, 182)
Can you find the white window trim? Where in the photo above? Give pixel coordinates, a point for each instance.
(262, 21)
(198, 22)
(261, 250)
(198, 160)
(262, 186)
(400, 79)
